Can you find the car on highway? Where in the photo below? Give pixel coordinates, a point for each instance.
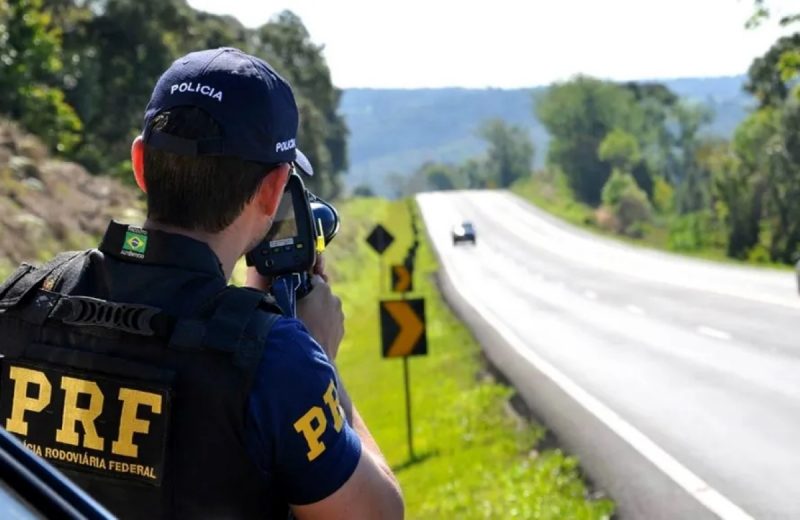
(464, 232)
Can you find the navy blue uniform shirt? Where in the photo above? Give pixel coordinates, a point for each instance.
(296, 431)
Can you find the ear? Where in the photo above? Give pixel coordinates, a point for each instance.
(271, 189)
(137, 161)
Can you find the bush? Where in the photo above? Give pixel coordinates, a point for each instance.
(627, 202)
(759, 254)
(616, 184)
(694, 232)
(663, 196)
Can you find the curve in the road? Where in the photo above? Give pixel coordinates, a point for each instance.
(706, 344)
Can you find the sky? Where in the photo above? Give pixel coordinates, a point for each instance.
(520, 43)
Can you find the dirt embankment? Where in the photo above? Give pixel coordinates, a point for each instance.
(47, 205)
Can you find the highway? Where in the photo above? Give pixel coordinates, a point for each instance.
(676, 381)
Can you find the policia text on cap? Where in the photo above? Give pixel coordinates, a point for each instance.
(159, 389)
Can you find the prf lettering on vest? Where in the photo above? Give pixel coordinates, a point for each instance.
(23, 377)
(67, 434)
(313, 423)
(129, 423)
(28, 381)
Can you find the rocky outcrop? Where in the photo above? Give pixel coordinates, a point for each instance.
(47, 205)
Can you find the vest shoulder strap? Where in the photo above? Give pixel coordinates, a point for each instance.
(28, 278)
(237, 319)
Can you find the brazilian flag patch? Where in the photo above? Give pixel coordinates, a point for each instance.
(135, 243)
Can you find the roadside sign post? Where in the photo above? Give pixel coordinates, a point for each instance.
(403, 335)
(409, 425)
(402, 279)
(380, 240)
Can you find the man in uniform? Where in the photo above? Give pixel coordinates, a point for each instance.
(161, 390)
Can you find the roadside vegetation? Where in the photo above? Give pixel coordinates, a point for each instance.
(474, 458)
(548, 189)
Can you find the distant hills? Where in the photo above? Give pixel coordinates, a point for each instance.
(395, 131)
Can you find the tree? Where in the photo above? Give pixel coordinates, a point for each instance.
(627, 202)
(473, 173)
(658, 105)
(116, 50)
(113, 53)
(620, 149)
(767, 184)
(578, 115)
(784, 185)
(740, 195)
(440, 177)
(770, 76)
(30, 53)
(693, 182)
(510, 153)
(287, 45)
(762, 12)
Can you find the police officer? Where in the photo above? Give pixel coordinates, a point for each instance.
(158, 388)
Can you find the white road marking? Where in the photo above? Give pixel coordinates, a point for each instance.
(590, 294)
(633, 309)
(713, 333)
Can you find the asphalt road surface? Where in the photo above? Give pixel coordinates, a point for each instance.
(676, 381)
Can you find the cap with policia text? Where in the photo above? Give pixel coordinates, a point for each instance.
(253, 105)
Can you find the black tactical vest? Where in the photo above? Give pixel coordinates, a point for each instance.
(132, 376)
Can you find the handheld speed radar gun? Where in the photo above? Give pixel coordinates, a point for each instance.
(304, 224)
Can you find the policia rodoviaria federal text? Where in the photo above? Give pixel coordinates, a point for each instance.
(158, 388)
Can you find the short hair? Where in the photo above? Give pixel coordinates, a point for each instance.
(198, 193)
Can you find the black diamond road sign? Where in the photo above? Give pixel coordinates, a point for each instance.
(380, 239)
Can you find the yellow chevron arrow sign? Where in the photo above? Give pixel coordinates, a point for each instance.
(403, 328)
(401, 279)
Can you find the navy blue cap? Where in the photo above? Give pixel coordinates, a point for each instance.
(253, 105)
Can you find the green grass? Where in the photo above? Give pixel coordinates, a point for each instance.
(474, 459)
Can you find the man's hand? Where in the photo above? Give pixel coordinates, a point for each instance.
(255, 280)
(321, 313)
(320, 310)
